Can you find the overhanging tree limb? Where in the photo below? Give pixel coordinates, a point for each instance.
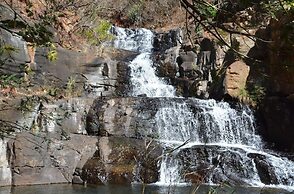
(212, 27)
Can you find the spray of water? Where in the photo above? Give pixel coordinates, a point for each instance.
(208, 124)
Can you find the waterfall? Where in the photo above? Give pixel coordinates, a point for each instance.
(210, 139)
(5, 171)
(211, 122)
(143, 78)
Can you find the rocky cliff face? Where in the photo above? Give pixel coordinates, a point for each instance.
(49, 115)
(275, 76)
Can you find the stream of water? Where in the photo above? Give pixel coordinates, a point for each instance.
(233, 150)
(212, 141)
(133, 189)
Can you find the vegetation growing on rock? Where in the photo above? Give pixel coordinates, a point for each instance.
(56, 47)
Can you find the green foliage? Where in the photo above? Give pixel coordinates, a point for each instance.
(198, 30)
(70, 86)
(6, 52)
(275, 7)
(98, 34)
(257, 93)
(38, 34)
(53, 91)
(10, 80)
(243, 93)
(52, 53)
(134, 14)
(207, 10)
(29, 103)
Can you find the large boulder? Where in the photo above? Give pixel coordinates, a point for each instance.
(122, 117)
(98, 72)
(122, 160)
(167, 40)
(39, 159)
(63, 116)
(281, 58)
(166, 63)
(274, 75)
(216, 164)
(235, 79)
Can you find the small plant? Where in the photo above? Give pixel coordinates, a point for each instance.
(257, 93)
(70, 86)
(52, 53)
(53, 91)
(38, 34)
(207, 10)
(243, 93)
(6, 52)
(10, 80)
(134, 14)
(28, 103)
(98, 34)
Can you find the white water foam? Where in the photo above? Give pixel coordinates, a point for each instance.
(145, 81)
(143, 76)
(210, 123)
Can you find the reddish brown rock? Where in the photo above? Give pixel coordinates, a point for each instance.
(235, 79)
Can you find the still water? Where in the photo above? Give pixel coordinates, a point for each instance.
(136, 189)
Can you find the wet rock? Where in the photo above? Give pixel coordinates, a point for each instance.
(123, 82)
(166, 63)
(219, 165)
(93, 172)
(141, 117)
(194, 177)
(200, 89)
(166, 50)
(77, 180)
(130, 116)
(122, 160)
(184, 86)
(167, 40)
(265, 171)
(235, 79)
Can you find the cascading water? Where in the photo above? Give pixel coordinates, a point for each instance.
(143, 77)
(210, 139)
